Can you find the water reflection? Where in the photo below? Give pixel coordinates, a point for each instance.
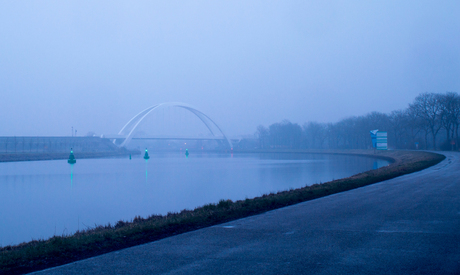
(146, 171)
(71, 175)
(375, 165)
(110, 190)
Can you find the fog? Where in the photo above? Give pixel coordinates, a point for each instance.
(94, 65)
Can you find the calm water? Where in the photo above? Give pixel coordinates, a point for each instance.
(40, 199)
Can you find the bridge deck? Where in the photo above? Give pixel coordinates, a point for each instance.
(166, 137)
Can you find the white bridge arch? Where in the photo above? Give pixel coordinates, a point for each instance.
(127, 131)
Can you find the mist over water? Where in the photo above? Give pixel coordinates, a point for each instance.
(45, 198)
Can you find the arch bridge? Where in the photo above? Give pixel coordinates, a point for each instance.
(126, 134)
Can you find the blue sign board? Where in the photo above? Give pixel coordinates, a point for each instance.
(379, 140)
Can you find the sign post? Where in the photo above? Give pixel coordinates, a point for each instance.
(374, 138)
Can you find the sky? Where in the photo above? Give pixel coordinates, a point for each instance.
(93, 65)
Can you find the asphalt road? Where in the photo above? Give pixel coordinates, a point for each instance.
(407, 225)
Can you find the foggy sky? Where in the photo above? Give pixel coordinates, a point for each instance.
(95, 64)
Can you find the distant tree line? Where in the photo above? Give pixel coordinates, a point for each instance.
(431, 121)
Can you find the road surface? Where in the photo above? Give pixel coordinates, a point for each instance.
(407, 225)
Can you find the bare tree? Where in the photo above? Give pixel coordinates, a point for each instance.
(450, 114)
(262, 135)
(422, 120)
(427, 107)
(285, 135)
(333, 136)
(315, 134)
(398, 128)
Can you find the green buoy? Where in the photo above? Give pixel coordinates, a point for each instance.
(71, 159)
(186, 152)
(146, 155)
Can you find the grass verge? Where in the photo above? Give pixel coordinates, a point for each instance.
(58, 250)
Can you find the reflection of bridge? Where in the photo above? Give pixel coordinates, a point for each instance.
(126, 134)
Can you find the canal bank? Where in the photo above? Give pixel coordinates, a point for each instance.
(388, 155)
(124, 234)
(53, 156)
(51, 148)
(406, 225)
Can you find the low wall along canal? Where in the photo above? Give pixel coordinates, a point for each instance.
(11, 145)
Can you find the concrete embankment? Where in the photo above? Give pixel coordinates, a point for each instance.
(49, 148)
(51, 156)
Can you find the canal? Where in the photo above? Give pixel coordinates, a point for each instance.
(39, 199)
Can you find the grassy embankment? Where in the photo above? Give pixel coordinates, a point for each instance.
(58, 250)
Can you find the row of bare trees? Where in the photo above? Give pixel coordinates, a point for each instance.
(431, 121)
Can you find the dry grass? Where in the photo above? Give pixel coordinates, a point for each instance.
(37, 255)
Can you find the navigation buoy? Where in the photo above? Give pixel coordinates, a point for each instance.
(186, 152)
(71, 159)
(129, 156)
(146, 155)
